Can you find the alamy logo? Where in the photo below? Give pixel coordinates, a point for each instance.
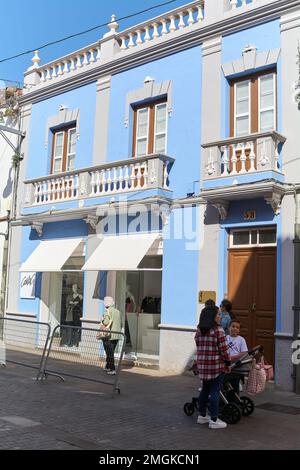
(296, 353)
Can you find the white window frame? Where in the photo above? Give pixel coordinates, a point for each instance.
(61, 158)
(252, 245)
(165, 133)
(143, 137)
(274, 108)
(70, 154)
(235, 107)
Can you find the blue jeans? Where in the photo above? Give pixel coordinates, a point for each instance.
(211, 388)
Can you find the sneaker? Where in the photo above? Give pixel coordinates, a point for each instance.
(111, 372)
(203, 419)
(107, 369)
(217, 424)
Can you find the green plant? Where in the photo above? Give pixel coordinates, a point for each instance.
(10, 112)
(16, 159)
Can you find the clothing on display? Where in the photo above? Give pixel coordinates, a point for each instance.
(151, 305)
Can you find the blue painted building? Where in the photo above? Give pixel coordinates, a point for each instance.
(160, 168)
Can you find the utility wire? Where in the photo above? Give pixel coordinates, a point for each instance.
(83, 32)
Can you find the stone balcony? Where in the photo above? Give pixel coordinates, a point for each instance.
(232, 166)
(229, 161)
(117, 178)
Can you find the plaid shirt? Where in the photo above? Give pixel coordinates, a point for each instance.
(212, 353)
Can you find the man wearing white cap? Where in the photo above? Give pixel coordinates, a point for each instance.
(113, 318)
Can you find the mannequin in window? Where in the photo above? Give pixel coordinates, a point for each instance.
(74, 307)
(130, 306)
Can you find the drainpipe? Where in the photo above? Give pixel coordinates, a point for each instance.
(296, 308)
(4, 272)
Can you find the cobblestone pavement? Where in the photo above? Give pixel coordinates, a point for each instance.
(148, 415)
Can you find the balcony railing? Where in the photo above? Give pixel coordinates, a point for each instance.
(239, 3)
(243, 155)
(91, 56)
(162, 26)
(121, 177)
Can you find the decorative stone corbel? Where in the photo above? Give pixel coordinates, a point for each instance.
(92, 221)
(275, 202)
(38, 227)
(222, 207)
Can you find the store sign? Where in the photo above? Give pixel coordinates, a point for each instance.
(27, 285)
(206, 295)
(250, 215)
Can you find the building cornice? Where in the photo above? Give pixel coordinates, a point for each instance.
(135, 57)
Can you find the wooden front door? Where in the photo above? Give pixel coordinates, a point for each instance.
(252, 290)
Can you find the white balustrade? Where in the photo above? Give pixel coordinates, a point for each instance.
(162, 26)
(70, 63)
(240, 156)
(127, 176)
(56, 189)
(240, 3)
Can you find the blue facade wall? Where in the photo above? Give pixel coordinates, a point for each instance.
(83, 98)
(184, 126)
(180, 271)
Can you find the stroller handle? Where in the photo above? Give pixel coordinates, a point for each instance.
(252, 353)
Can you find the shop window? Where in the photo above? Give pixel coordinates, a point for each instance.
(150, 129)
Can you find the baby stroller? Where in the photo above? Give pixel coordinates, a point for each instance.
(232, 406)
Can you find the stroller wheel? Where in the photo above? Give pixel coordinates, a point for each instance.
(196, 403)
(247, 406)
(189, 409)
(231, 413)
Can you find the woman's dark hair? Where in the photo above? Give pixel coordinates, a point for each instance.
(228, 307)
(210, 303)
(207, 319)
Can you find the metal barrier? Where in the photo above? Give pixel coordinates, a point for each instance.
(80, 353)
(23, 342)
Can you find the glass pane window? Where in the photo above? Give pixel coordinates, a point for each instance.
(161, 118)
(267, 120)
(242, 108)
(59, 144)
(142, 132)
(72, 141)
(141, 148)
(267, 102)
(241, 238)
(160, 144)
(267, 237)
(71, 150)
(160, 128)
(242, 126)
(57, 165)
(142, 128)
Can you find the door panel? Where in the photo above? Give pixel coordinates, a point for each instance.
(240, 287)
(252, 290)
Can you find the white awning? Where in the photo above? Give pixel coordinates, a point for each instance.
(123, 253)
(51, 255)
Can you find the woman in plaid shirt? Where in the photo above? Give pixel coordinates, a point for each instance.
(213, 362)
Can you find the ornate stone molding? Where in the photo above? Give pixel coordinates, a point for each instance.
(92, 221)
(251, 60)
(65, 116)
(222, 207)
(149, 90)
(38, 227)
(274, 201)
